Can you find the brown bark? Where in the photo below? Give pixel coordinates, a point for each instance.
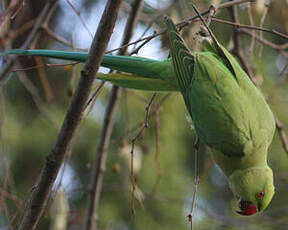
(55, 159)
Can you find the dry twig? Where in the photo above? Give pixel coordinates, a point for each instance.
(250, 15)
(55, 159)
(282, 134)
(239, 25)
(139, 134)
(32, 89)
(239, 53)
(181, 24)
(22, 4)
(29, 40)
(267, 3)
(80, 17)
(157, 153)
(103, 142)
(196, 182)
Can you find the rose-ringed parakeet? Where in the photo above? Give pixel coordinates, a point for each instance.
(229, 113)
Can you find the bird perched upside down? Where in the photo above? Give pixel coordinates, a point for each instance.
(229, 113)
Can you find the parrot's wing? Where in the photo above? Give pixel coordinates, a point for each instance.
(133, 81)
(182, 58)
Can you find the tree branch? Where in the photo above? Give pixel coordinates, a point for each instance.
(196, 182)
(105, 134)
(55, 159)
(237, 50)
(29, 40)
(282, 135)
(239, 53)
(181, 24)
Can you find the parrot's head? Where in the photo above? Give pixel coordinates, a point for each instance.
(253, 188)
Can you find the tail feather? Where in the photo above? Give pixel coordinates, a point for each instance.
(58, 54)
(135, 65)
(138, 82)
(144, 73)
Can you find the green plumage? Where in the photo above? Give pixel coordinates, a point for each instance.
(144, 73)
(229, 113)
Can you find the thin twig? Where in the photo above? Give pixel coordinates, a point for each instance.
(153, 113)
(100, 163)
(77, 136)
(157, 154)
(237, 50)
(157, 17)
(48, 92)
(44, 65)
(250, 15)
(196, 182)
(239, 53)
(80, 17)
(136, 50)
(282, 134)
(22, 4)
(139, 134)
(239, 25)
(32, 89)
(12, 197)
(95, 94)
(5, 182)
(282, 74)
(53, 35)
(29, 40)
(279, 48)
(267, 3)
(105, 134)
(181, 24)
(212, 11)
(55, 159)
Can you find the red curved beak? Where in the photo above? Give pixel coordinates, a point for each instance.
(247, 208)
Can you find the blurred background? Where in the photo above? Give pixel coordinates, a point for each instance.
(33, 104)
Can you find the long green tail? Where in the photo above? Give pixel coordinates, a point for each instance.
(59, 54)
(134, 65)
(144, 73)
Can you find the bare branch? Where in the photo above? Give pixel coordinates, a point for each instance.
(267, 4)
(237, 24)
(280, 48)
(157, 154)
(239, 53)
(80, 17)
(250, 15)
(139, 134)
(196, 182)
(66, 65)
(29, 40)
(99, 165)
(282, 134)
(32, 89)
(237, 50)
(181, 24)
(56, 157)
(22, 4)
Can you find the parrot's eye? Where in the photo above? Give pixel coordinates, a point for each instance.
(260, 194)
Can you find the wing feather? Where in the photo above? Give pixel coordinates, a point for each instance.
(182, 58)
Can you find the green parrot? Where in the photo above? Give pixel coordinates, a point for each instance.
(229, 113)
